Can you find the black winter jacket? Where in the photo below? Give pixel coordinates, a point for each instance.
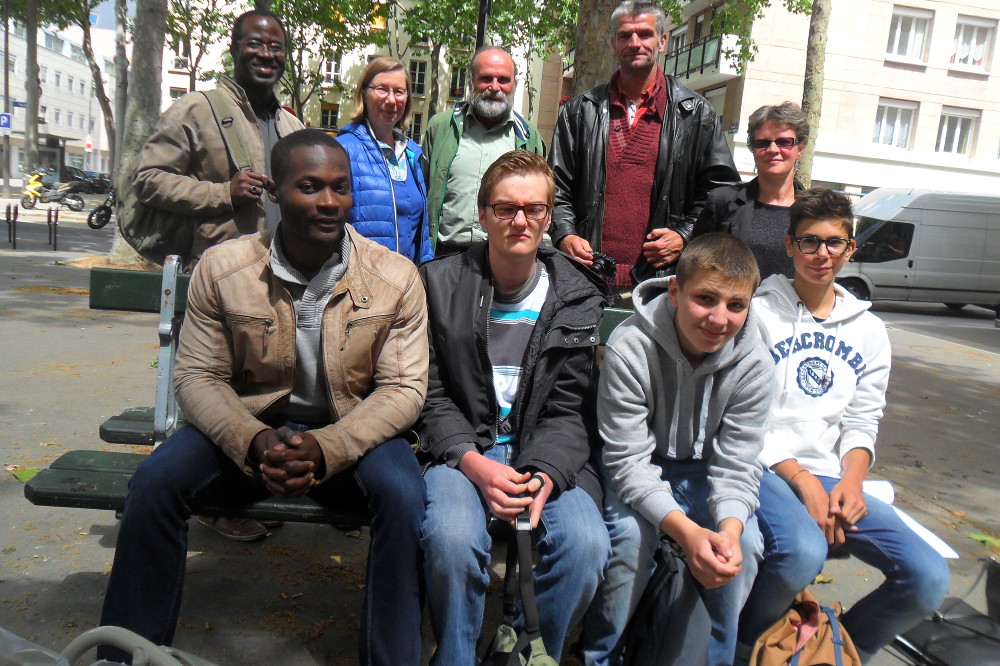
(693, 159)
(556, 398)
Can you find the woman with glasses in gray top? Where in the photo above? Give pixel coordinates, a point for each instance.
(757, 211)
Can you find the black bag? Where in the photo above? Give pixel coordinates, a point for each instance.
(508, 647)
(671, 624)
(957, 634)
(156, 233)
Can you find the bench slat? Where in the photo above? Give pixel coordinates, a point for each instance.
(99, 480)
(132, 291)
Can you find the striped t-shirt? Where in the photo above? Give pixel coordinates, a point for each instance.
(511, 321)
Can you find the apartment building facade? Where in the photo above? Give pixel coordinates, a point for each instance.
(911, 97)
(70, 120)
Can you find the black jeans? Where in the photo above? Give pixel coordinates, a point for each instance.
(188, 471)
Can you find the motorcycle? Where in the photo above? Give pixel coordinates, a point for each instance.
(101, 215)
(35, 192)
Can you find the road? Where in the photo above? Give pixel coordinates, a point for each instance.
(67, 368)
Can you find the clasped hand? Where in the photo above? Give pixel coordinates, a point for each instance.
(504, 488)
(289, 461)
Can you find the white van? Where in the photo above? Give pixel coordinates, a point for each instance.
(924, 245)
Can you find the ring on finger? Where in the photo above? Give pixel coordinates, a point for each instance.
(254, 190)
(541, 481)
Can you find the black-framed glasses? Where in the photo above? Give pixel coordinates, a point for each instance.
(834, 246)
(383, 93)
(782, 142)
(274, 48)
(536, 212)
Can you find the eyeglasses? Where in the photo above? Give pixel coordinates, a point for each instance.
(274, 48)
(536, 212)
(782, 142)
(811, 244)
(383, 93)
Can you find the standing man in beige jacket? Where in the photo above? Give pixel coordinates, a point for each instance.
(184, 167)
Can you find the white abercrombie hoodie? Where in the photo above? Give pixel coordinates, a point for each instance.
(654, 407)
(832, 377)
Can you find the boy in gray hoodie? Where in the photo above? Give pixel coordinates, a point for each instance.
(683, 400)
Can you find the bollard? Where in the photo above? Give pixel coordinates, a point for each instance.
(48, 223)
(55, 230)
(7, 220)
(12, 225)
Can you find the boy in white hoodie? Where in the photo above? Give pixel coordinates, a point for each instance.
(683, 399)
(832, 362)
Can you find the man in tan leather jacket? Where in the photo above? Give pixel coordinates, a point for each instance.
(302, 360)
(184, 167)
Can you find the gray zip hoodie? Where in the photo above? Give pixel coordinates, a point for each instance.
(653, 406)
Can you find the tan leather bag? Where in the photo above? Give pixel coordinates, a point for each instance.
(807, 635)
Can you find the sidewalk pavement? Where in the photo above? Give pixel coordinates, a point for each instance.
(294, 598)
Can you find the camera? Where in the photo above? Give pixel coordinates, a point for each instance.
(604, 264)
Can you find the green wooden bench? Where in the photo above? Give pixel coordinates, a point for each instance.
(99, 479)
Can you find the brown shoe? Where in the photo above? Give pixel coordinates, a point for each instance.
(270, 524)
(237, 529)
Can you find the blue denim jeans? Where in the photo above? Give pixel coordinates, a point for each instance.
(634, 541)
(188, 471)
(916, 576)
(572, 546)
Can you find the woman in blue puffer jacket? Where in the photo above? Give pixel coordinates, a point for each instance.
(387, 177)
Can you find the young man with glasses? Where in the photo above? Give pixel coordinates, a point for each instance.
(832, 362)
(185, 169)
(508, 421)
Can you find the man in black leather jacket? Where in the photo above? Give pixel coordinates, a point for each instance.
(692, 158)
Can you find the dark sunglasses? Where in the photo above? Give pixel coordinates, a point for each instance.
(784, 143)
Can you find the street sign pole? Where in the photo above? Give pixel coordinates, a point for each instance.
(5, 170)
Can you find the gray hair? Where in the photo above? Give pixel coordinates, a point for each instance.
(470, 71)
(636, 7)
(785, 115)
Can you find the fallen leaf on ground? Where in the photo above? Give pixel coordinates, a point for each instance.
(986, 539)
(823, 580)
(22, 474)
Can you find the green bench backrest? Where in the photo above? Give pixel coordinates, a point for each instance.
(132, 291)
(139, 291)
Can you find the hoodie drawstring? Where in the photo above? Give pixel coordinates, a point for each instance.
(672, 447)
(706, 395)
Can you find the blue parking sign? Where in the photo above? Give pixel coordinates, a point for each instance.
(5, 120)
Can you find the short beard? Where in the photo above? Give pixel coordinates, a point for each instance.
(490, 106)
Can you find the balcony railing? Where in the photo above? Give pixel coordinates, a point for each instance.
(695, 58)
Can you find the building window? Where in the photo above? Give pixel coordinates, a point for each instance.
(418, 73)
(58, 79)
(177, 93)
(331, 71)
(57, 117)
(329, 115)
(956, 130)
(972, 42)
(908, 33)
(678, 37)
(76, 53)
(43, 74)
(83, 87)
(69, 119)
(416, 126)
(53, 42)
(893, 122)
(79, 124)
(180, 62)
(93, 125)
(457, 81)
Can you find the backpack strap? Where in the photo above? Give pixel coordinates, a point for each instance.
(224, 114)
(838, 642)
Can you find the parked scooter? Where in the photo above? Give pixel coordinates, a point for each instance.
(101, 215)
(35, 192)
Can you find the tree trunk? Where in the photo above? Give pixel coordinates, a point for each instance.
(435, 91)
(812, 89)
(32, 87)
(593, 63)
(121, 83)
(143, 108)
(95, 72)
